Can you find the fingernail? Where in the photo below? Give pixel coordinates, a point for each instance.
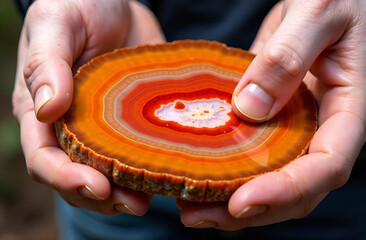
(123, 208)
(251, 211)
(42, 96)
(253, 102)
(88, 193)
(202, 224)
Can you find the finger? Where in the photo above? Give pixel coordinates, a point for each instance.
(145, 28)
(208, 215)
(47, 163)
(120, 201)
(306, 180)
(80, 185)
(216, 215)
(282, 63)
(130, 202)
(52, 46)
(107, 27)
(267, 28)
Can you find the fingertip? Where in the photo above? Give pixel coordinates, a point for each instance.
(250, 211)
(272, 190)
(43, 95)
(88, 192)
(123, 208)
(239, 201)
(253, 103)
(82, 180)
(130, 201)
(53, 92)
(96, 183)
(259, 191)
(49, 107)
(208, 215)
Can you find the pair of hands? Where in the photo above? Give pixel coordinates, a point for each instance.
(323, 36)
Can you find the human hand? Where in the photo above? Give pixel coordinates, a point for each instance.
(329, 39)
(58, 37)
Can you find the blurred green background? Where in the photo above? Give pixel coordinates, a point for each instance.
(26, 210)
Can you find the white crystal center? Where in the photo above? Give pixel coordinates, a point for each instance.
(209, 113)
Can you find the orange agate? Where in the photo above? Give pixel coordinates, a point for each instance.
(159, 119)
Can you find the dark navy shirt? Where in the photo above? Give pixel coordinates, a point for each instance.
(234, 22)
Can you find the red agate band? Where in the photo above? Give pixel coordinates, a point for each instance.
(204, 112)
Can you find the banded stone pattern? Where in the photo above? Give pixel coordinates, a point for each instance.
(158, 119)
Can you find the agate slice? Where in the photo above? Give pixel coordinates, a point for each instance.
(158, 119)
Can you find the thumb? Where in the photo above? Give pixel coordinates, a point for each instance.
(278, 69)
(47, 67)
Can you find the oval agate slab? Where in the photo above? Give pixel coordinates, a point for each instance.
(159, 119)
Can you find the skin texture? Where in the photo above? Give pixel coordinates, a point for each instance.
(322, 41)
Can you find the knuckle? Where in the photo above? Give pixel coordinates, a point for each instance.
(16, 98)
(33, 173)
(285, 59)
(297, 194)
(319, 5)
(310, 204)
(19, 102)
(55, 180)
(32, 162)
(44, 8)
(316, 8)
(307, 208)
(341, 175)
(31, 68)
(303, 214)
(306, 211)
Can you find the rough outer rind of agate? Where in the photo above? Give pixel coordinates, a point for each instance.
(142, 180)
